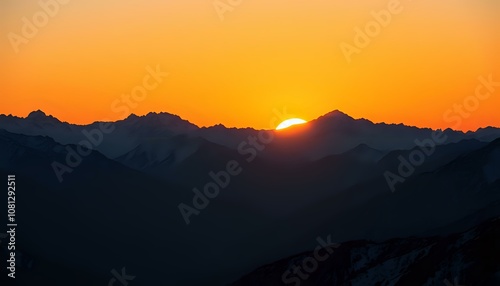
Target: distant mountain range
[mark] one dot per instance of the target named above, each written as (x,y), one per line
(119,205)
(333,133)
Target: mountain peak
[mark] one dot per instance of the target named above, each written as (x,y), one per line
(163,115)
(153,116)
(132,116)
(337,113)
(173,121)
(37,114)
(40,116)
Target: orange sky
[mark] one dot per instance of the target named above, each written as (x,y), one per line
(263,55)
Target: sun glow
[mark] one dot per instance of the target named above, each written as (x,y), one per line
(290,122)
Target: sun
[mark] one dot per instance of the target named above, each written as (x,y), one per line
(290,122)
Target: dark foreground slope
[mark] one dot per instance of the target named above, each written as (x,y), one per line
(467,258)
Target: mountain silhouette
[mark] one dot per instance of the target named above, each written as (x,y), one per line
(119,203)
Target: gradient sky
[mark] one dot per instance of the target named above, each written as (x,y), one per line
(264,55)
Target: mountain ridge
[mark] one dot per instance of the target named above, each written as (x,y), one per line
(335,114)
(276,204)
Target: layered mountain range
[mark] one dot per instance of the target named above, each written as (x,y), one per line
(117,203)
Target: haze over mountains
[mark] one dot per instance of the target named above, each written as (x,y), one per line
(333,133)
(120,204)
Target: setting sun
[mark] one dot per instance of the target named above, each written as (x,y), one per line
(290,122)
